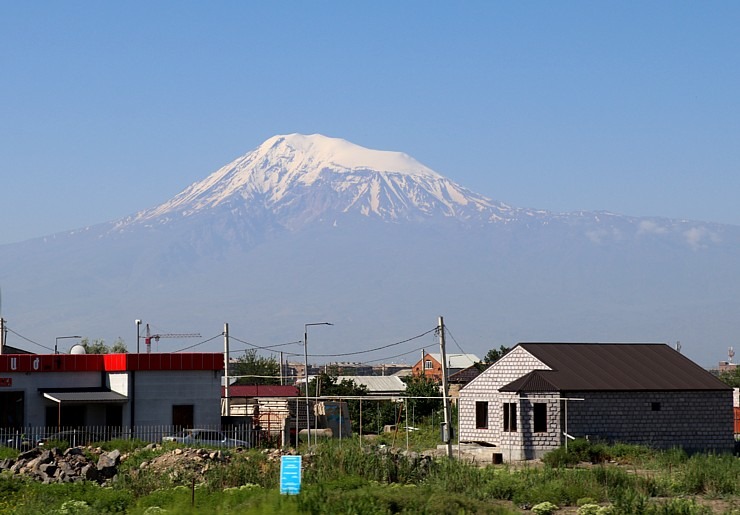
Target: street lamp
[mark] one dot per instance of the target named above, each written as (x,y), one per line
(305,357)
(56,341)
(138,325)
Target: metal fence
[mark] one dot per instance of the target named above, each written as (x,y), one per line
(243,435)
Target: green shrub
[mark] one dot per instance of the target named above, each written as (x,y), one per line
(544,508)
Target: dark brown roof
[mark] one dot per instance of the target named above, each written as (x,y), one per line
(613,366)
(465,375)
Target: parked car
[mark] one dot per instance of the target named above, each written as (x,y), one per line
(21,441)
(73,437)
(204,437)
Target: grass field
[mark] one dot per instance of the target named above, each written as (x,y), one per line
(379,478)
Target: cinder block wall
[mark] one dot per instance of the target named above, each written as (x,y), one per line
(694,420)
(485,387)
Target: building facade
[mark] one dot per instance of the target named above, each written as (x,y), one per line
(111,390)
(540,394)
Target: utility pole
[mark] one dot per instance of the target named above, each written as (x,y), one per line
(226,370)
(2,335)
(281,368)
(447,433)
(423,364)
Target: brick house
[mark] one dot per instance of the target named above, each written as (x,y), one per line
(525,403)
(431,365)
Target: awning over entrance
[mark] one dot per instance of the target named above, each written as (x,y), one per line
(84,396)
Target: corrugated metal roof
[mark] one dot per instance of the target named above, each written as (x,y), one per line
(532,382)
(456,360)
(377,384)
(615,366)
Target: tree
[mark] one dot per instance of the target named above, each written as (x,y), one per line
(97,346)
(494,355)
(491,357)
(423,386)
(255,369)
(119,347)
(731,377)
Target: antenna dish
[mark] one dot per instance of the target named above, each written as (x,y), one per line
(77,349)
(731,353)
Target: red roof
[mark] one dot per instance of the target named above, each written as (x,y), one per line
(261,390)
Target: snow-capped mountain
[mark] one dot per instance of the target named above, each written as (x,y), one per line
(311,228)
(301,178)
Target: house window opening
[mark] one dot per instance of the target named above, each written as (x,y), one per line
(510,416)
(481,415)
(540,417)
(428,365)
(655,406)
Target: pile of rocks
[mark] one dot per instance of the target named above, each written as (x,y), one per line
(55,466)
(183,463)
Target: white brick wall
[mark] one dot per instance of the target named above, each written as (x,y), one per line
(485,387)
(695,420)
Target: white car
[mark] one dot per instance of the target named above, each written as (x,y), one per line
(204,437)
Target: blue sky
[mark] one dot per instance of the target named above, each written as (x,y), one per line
(112,107)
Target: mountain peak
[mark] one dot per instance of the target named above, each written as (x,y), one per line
(298,178)
(318,151)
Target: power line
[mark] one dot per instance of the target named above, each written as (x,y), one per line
(200,343)
(392,357)
(267,347)
(453,339)
(28,339)
(375,349)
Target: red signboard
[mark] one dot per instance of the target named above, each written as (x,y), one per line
(109,362)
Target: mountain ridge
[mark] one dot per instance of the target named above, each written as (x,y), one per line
(271,260)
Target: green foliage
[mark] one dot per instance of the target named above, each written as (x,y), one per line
(255,369)
(544,508)
(119,347)
(342,477)
(372,498)
(579,450)
(98,346)
(731,377)
(493,355)
(7,452)
(423,386)
(124,445)
(251,467)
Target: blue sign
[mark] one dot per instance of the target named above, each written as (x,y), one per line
(290,475)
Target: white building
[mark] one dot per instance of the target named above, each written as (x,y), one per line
(110,390)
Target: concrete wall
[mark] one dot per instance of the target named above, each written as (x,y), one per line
(158,391)
(34,403)
(485,387)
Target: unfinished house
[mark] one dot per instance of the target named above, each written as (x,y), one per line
(540,394)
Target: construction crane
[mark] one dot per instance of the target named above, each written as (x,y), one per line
(149,337)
